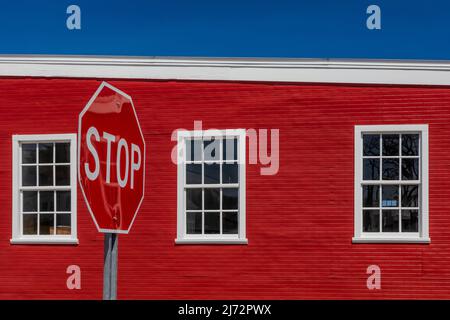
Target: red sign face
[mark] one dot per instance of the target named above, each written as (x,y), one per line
(111,158)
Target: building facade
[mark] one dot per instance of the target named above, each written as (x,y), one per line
(316,171)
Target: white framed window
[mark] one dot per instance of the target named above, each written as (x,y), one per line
(391,183)
(211,187)
(44,189)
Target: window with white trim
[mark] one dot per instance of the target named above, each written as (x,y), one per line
(211,186)
(391,183)
(44,188)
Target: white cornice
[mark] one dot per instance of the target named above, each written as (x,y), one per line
(408,72)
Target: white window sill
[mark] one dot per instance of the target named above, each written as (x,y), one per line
(44,241)
(390,240)
(211,241)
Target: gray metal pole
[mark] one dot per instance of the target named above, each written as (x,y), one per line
(114,254)
(110,266)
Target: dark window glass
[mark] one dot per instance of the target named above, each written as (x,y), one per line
(29,153)
(390,196)
(230,198)
(212,222)
(193,199)
(371,196)
(212,173)
(390,144)
(29,224)
(390,221)
(371,169)
(410,196)
(46,201)
(410,144)
(45,175)
(371,145)
(229,149)
(212,198)
(229,223)
(63,224)
(193,173)
(62,200)
(211,149)
(29,201)
(193,150)
(45,152)
(410,221)
(371,220)
(62,175)
(62,152)
(230,173)
(390,169)
(46,223)
(410,169)
(28,176)
(194,223)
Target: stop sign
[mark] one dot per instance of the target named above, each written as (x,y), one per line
(111,159)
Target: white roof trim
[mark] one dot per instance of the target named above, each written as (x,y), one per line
(409,72)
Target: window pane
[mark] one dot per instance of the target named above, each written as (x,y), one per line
(410,169)
(29,223)
(62,152)
(371,170)
(229,223)
(410,196)
(46,201)
(410,144)
(212,222)
(230,173)
(194,199)
(390,169)
(371,144)
(212,198)
(28,176)
(211,149)
(212,173)
(63,224)
(45,175)
(390,196)
(29,153)
(45,152)
(229,149)
(390,144)
(371,196)
(62,175)
(29,201)
(390,221)
(194,223)
(193,150)
(410,221)
(46,223)
(193,173)
(62,200)
(230,198)
(371,220)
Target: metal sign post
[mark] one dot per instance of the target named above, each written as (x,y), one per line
(110,266)
(108,127)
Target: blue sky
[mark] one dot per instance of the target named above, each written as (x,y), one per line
(245,28)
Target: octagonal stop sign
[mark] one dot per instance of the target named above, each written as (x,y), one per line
(111,159)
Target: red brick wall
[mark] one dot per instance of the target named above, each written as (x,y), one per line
(299,222)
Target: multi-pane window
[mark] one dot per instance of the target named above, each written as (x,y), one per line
(390,182)
(212,187)
(45,192)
